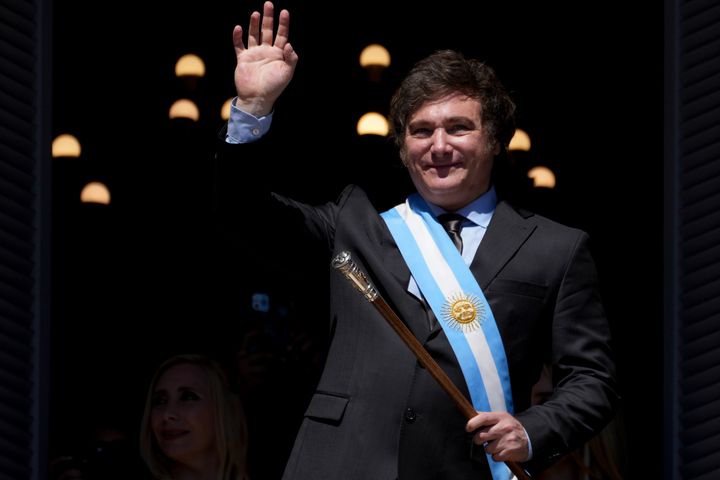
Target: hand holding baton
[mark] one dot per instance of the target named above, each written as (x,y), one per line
(344,262)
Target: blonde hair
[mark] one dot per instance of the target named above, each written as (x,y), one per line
(230,422)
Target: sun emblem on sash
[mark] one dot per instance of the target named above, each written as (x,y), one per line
(463,312)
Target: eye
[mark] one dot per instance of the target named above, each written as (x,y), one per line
(158,400)
(420,132)
(189,396)
(458,129)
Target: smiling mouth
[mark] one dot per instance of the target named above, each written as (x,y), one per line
(443,168)
(173,434)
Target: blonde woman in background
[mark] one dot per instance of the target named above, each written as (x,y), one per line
(193,425)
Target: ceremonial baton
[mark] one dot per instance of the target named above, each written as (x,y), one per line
(343,261)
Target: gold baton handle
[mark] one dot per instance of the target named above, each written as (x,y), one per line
(343,261)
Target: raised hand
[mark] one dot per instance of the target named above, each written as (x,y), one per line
(265,65)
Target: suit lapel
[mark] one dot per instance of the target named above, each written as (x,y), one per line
(506,233)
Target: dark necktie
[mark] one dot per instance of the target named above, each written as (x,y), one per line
(451,223)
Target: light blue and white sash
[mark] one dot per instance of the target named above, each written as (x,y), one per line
(459,304)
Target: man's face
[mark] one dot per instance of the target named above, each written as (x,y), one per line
(447,152)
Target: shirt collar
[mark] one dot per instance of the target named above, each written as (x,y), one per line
(479,211)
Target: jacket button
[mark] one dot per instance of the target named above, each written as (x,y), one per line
(410,415)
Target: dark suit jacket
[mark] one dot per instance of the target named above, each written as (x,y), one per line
(377,414)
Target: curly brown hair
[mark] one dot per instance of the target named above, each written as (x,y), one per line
(445,72)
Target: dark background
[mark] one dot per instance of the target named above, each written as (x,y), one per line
(151,274)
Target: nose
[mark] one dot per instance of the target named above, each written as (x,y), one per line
(168,413)
(440,144)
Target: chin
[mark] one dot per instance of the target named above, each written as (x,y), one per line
(452,179)
(443,189)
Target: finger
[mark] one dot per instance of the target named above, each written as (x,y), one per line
(476,422)
(472,424)
(483,437)
(238,39)
(289,55)
(283,29)
(254,30)
(267,24)
(500,455)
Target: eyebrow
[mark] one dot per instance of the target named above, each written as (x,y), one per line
(457,118)
(181,388)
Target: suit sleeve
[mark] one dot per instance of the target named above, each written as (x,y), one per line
(253,185)
(585,394)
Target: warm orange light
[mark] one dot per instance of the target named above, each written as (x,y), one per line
(184,108)
(190,65)
(95,192)
(65,145)
(542,177)
(520,141)
(225,110)
(373,123)
(375,55)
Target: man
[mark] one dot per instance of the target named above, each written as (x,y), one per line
(491,314)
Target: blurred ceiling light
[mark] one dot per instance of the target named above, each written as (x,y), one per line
(184,108)
(375,55)
(374,59)
(225,110)
(520,141)
(373,123)
(190,66)
(542,177)
(95,192)
(65,145)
